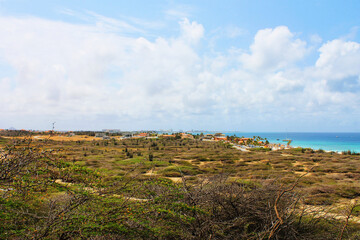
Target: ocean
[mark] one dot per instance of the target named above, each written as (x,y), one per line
(327,141)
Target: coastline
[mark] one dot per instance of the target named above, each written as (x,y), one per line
(332,142)
(328,148)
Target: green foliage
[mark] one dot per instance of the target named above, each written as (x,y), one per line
(51,191)
(179,171)
(260,149)
(356,211)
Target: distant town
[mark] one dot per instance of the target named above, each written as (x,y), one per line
(241,143)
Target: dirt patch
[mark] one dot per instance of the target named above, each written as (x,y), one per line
(66,138)
(151,172)
(201,164)
(323,212)
(175,179)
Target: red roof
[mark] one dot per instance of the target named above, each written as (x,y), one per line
(220,138)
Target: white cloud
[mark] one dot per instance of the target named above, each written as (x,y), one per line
(113,25)
(90,74)
(63,68)
(339,59)
(286,84)
(315,39)
(179,11)
(234,31)
(338,69)
(192,32)
(274,49)
(106,23)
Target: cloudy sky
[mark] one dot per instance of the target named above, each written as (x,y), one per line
(251,65)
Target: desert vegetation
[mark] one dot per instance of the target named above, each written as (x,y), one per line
(173,188)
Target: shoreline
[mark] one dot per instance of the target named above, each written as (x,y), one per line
(334,141)
(329,151)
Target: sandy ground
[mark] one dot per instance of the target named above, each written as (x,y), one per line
(62,138)
(321,212)
(175,179)
(151,172)
(241,149)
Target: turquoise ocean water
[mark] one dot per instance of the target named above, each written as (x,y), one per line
(337,142)
(326,141)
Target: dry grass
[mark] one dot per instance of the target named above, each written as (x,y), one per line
(334,178)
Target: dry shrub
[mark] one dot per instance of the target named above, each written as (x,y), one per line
(239,210)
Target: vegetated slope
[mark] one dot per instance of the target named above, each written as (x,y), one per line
(125,190)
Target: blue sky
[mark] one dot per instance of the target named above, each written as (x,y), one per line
(215,65)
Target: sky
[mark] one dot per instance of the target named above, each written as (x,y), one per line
(235,65)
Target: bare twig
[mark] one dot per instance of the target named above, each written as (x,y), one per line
(280,220)
(349,213)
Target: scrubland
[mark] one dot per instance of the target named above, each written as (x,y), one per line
(170,188)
